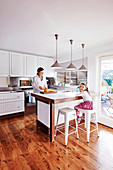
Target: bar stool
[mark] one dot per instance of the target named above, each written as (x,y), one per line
(88,114)
(67,111)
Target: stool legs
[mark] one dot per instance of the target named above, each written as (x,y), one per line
(96,123)
(76,127)
(57,123)
(66,118)
(85,122)
(66,128)
(88,125)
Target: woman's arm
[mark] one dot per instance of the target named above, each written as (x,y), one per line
(35,84)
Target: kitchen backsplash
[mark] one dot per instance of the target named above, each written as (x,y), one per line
(3,81)
(11,81)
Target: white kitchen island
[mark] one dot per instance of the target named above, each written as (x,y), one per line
(48,105)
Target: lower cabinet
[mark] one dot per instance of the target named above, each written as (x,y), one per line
(11,103)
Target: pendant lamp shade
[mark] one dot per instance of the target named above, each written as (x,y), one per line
(56,65)
(71,66)
(83,68)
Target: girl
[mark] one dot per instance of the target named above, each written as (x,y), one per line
(87,104)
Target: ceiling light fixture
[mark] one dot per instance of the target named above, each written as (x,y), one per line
(83,68)
(56,65)
(71,66)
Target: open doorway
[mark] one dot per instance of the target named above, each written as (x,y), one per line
(106,90)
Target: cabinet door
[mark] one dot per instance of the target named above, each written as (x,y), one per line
(4,63)
(16,64)
(46,64)
(31,65)
(42,62)
(51,71)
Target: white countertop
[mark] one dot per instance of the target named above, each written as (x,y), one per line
(62,95)
(58,95)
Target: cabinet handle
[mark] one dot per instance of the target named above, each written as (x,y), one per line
(18,96)
(18,106)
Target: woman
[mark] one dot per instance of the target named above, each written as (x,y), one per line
(38,81)
(87,104)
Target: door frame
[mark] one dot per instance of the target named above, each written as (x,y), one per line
(102,119)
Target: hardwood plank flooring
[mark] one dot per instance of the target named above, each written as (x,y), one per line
(23,146)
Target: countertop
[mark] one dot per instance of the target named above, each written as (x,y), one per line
(57,97)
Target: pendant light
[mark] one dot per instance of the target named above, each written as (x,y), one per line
(71,66)
(83,68)
(56,65)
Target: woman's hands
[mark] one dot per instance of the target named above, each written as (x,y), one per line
(40,87)
(45,89)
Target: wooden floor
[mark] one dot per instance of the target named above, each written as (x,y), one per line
(24,147)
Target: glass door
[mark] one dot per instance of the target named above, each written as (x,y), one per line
(106,91)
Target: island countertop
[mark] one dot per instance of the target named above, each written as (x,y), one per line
(57,97)
(52,100)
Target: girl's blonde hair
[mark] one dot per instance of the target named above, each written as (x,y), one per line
(86,88)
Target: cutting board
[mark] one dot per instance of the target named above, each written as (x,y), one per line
(49,92)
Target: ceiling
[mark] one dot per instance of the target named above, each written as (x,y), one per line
(29,25)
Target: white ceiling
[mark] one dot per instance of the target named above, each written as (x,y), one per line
(30,25)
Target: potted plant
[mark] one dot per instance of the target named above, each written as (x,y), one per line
(30,82)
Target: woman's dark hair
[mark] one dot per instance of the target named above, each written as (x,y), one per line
(40,69)
(86,88)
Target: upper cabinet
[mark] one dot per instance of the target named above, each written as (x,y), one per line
(31,65)
(17,61)
(4,63)
(46,64)
(23,65)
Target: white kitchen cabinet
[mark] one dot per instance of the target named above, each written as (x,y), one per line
(4,63)
(31,65)
(17,64)
(11,103)
(51,72)
(46,64)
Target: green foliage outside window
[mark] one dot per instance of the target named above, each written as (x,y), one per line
(109,81)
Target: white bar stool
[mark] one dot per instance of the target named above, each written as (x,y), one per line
(88,114)
(67,111)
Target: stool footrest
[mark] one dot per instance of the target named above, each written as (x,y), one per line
(86,130)
(68,133)
(64,126)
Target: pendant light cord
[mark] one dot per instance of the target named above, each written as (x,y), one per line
(56,48)
(83,54)
(71,41)
(71,53)
(56,36)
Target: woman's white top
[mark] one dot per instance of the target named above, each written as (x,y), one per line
(85,95)
(38,82)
